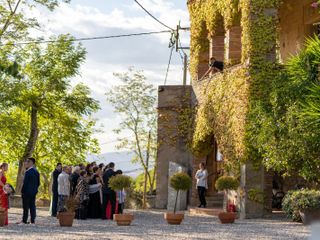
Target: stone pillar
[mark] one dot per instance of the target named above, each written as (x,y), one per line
(171,146)
(182,196)
(260,179)
(233,46)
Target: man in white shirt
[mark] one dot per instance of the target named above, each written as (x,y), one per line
(63,188)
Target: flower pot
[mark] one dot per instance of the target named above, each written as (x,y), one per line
(66,218)
(123,219)
(227,217)
(309,216)
(174,218)
(3,215)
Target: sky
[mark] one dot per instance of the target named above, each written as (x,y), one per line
(83,18)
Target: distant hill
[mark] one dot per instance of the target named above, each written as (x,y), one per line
(122,161)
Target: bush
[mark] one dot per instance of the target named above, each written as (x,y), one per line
(119,182)
(180,181)
(227,183)
(297,200)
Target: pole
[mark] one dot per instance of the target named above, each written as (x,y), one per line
(185,69)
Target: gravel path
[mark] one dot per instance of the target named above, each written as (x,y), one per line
(151,225)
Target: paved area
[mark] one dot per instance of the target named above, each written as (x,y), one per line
(151,225)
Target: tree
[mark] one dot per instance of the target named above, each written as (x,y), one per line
(58,115)
(135,101)
(14,26)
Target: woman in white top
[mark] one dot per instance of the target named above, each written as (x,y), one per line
(202,184)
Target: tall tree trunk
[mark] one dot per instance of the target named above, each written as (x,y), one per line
(29,149)
(153,178)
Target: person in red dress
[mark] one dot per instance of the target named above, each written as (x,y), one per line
(3,195)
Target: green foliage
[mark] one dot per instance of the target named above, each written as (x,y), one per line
(257,195)
(120,182)
(225,183)
(135,101)
(139,182)
(222,116)
(180,182)
(300,200)
(64,113)
(284,130)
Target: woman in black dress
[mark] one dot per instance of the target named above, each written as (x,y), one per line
(94,209)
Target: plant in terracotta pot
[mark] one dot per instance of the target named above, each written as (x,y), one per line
(302,205)
(3,215)
(226,183)
(120,183)
(179,182)
(66,217)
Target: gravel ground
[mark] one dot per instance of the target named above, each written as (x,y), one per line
(151,225)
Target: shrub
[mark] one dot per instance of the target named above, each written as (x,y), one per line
(227,183)
(180,182)
(257,195)
(71,204)
(119,182)
(295,201)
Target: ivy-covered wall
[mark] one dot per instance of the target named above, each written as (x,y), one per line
(233,100)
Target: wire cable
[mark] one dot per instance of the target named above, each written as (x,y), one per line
(90,38)
(154,16)
(165,80)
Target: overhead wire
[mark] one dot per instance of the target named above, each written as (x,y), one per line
(153,16)
(90,38)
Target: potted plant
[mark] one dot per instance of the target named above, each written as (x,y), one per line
(66,217)
(303,205)
(119,183)
(179,182)
(226,183)
(2,216)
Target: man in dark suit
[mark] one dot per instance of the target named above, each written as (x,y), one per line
(108,194)
(29,190)
(55,175)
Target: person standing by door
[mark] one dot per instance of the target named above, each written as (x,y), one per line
(31,183)
(202,184)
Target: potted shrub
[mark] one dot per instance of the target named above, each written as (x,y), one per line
(226,183)
(303,205)
(2,216)
(119,183)
(179,182)
(66,218)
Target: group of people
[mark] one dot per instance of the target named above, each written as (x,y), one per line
(89,186)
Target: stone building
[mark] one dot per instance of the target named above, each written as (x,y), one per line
(252,38)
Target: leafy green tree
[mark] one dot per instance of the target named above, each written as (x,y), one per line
(135,100)
(287,133)
(14,26)
(60,126)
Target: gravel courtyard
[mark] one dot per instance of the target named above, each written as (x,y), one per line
(151,225)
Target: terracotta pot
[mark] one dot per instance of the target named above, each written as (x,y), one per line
(123,219)
(227,217)
(66,218)
(3,214)
(174,218)
(309,216)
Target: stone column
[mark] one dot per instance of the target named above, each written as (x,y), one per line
(171,146)
(233,45)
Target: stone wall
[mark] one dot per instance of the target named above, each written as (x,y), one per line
(172,146)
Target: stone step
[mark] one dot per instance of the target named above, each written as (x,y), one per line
(205,211)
